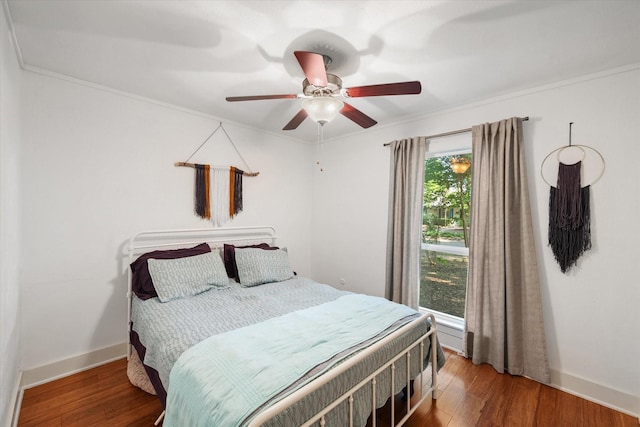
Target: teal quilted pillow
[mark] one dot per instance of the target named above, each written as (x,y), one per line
(184,277)
(257,266)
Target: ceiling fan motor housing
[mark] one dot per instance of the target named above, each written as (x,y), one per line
(333,87)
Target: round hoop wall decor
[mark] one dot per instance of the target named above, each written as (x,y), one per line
(593,164)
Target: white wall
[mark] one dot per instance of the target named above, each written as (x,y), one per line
(9,221)
(591,314)
(98,167)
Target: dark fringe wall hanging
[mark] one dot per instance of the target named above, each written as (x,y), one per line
(235,191)
(569,233)
(569,217)
(203,205)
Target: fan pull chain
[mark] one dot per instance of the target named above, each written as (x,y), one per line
(319,145)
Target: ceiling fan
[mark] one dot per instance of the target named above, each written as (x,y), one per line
(321,91)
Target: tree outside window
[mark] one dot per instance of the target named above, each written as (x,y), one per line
(445,236)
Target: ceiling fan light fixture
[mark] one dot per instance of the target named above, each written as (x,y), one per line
(322,109)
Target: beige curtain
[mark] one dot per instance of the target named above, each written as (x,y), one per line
(504,325)
(405,220)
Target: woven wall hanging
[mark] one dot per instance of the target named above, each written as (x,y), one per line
(218,189)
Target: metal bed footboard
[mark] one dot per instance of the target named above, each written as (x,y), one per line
(319,418)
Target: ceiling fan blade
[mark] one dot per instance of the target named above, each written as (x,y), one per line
(313,66)
(357,116)
(297,119)
(402,88)
(259,97)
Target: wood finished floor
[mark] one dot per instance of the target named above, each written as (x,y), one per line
(470,396)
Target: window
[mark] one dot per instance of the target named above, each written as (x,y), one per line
(445,236)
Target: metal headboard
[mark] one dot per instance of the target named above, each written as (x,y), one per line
(150,240)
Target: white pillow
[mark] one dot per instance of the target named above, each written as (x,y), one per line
(258,266)
(187,276)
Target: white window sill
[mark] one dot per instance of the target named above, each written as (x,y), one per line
(450,330)
(453,322)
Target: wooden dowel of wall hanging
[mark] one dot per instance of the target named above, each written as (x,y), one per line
(189,165)
(193,165)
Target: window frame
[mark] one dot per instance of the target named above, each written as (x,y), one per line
(455,323)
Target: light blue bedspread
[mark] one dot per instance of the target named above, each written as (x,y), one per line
(223,379)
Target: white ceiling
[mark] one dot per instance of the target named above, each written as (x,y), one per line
(193,54)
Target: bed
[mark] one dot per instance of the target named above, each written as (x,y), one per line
(229,335)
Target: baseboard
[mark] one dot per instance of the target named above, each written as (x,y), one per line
(597,393)
(66,367)
(11,418)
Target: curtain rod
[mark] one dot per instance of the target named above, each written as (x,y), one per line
(453,132)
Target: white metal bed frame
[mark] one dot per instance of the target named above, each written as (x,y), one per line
(166,239)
